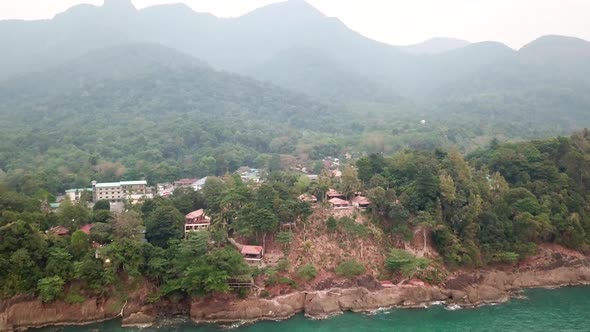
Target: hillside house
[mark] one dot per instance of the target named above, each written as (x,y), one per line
(338,203)
(86,228)
(184,182)
(361,202)
(196,221)
(59,231)
(334,194)
(252,253)
(308,198)
(199,184)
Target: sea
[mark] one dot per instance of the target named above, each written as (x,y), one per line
(564,309)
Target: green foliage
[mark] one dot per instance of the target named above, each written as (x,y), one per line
(331,224)
(101,205)
(350,268)
(74,296)
(163,224)
(307,272)
(505,257)
(285,238)
(405,263)
(50,288)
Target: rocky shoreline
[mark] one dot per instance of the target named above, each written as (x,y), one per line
(463,289)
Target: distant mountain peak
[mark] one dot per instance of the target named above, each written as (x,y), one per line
(294,9)
(119,5)
(435,45)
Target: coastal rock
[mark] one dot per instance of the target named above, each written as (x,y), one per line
(138,319)
(281,307)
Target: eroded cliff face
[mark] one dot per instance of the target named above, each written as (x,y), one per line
(465,289)
(469,289)
(20,313)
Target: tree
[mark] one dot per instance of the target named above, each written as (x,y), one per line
(350,183)
(101,233)
(79,244)
(201,278)
(163,224)
(128,225)
(59,264)
(50,288)
(102,205)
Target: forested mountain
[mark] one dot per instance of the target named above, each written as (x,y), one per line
(149,108)
(141,78)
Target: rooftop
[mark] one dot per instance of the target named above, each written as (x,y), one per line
(86,228)
(196,214)
(78,190)
(338,201)
(252,250)
(122,183)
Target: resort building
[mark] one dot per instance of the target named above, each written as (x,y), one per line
(133,191)
(196,221)
(75,194)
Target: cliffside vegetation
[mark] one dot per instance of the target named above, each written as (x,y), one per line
(495,206)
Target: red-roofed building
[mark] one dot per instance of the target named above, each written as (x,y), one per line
(196,221)
(184,182)
(252,253)
(59,230)
(86,228)
(338,203)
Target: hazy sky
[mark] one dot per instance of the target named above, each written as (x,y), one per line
(514,22)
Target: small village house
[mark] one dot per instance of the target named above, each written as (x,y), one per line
(361,202)
(252,253)
(59,231)
(338,203)
(184,182)
(308,198)
(196,221)
(334,194)
(86,228)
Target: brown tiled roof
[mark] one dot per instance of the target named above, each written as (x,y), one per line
(59,230)
(196,214)
(252,250)
(338,201)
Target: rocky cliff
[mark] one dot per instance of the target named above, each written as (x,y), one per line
(463,288)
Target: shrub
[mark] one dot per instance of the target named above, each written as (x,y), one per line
(307,272)
(505,257)
(264,293)
(50,288)
(350,268)
(74,296)
(406,263)
(283,265)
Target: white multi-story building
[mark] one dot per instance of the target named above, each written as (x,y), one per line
(75,194)
(131,191)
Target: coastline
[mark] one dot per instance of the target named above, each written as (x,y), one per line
(466,289)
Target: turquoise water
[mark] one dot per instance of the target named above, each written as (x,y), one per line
(565,309)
